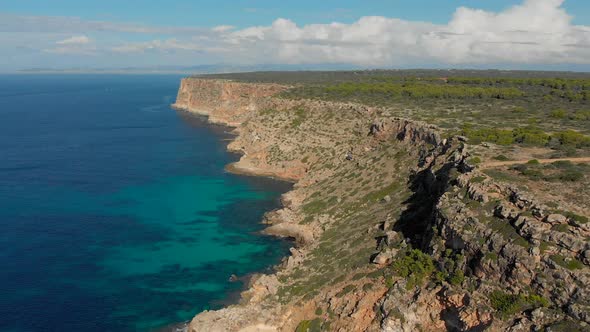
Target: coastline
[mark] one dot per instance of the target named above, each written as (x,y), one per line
(235,168)
(233,104)
(372,189)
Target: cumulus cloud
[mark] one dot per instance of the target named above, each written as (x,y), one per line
(536,31)
(75,40)
(157,45)
(77,45)
(223,28)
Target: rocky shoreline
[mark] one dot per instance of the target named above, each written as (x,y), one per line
(368,188)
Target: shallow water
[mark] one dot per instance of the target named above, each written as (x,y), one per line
(115,211)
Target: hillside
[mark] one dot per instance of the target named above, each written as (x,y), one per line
(401,218)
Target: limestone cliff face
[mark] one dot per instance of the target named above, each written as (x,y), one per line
(368,186)
(223,101)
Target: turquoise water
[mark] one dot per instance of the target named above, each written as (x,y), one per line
(115,211)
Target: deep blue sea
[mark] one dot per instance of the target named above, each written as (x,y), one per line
(115,211)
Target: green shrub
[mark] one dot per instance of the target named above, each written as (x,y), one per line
(309,326)
(492,256)
(389,281)
(578,218)
(475,160)
(346,290)
(537,301)
(573,138)
(533,174)
(571,176)
(509,304)
(501,157)
(530,135)
(563,164)
(563,228)
(544,246)
(571,264)
(414,266)
(504,303)
(558,114)
(533,162)
(299,118)
(519,109)
(457,278)
(580,116)
(477,179)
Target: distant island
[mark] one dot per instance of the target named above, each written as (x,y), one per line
(424,200)
(184,70)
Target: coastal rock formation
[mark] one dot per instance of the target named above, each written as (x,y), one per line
(224,102)
(395,229)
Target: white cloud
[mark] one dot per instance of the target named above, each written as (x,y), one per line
(75,45)
(537,31)
(165,46)
(72,50)
(223,28)
(75,40)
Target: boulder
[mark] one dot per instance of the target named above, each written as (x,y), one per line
(556,218)
(386,199)
(579,312)
(477,193)
(504,211)
(520,221)
(392,237)
(385,257)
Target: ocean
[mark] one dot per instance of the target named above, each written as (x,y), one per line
(115,211)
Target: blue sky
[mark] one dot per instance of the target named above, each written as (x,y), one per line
(372,33)
(242,13)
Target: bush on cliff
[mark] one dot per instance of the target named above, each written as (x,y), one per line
(414,266)
(509,304)
(309,326)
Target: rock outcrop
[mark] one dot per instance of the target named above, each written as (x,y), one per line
(223,102)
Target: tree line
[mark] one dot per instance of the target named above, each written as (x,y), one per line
(529,135)
(421,90)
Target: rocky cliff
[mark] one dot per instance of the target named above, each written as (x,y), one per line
(395,230)
(223,101)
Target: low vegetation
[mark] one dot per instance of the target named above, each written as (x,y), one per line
(310,326)
(509,304)
(529,135)
(414,266)
(416,90)
(559,171)
(507,108)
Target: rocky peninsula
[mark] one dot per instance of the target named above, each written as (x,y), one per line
(396,226)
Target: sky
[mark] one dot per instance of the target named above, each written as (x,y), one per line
(512,34)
